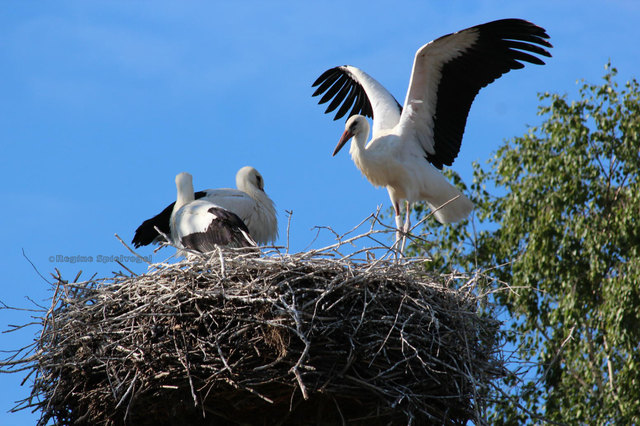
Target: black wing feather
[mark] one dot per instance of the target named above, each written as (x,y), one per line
(348,103)
(340,96)
(345,94)
(338,83)
(326,80)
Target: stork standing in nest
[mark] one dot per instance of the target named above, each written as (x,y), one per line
(411,143)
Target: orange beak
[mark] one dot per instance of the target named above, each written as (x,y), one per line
(343,139)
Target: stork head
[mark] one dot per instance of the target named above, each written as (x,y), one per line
(355,125)
(248,176)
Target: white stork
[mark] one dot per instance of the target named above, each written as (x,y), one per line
(249,202)
(410,143)
(201,225)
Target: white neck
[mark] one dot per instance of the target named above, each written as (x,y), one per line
(184,184)
(359,141)
(266,214)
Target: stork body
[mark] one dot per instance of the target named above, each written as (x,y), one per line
(249,202)
(411,142)
(201,225)
(387,162)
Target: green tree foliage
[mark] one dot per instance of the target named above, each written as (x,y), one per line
(564,235)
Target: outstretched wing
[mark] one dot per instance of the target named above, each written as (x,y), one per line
(351,88)
(450,71)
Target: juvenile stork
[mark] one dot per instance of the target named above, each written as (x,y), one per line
(249,202)
(411,142)
(201,225)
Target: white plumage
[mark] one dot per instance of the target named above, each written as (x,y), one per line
(201,225)
(249,201)
(409,144)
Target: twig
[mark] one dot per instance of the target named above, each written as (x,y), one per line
(131,250)
(289,216)
(34,267)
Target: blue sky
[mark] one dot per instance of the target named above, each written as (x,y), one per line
(102,103)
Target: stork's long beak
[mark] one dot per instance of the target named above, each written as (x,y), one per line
(344,139)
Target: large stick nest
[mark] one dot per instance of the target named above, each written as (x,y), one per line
(282,339)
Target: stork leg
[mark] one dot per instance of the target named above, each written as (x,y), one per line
(398,218)
(407,225)
(399,228)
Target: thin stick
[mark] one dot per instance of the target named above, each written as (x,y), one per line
(289,216)
(131,250)
(34,267)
